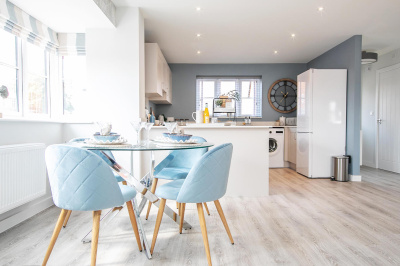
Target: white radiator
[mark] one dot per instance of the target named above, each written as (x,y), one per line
(22,174)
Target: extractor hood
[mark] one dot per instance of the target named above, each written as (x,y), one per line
(368,57)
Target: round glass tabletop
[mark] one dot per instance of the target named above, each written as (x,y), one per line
(152,146)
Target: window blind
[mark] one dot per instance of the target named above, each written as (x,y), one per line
(16,21)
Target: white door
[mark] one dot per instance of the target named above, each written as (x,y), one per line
(388,115)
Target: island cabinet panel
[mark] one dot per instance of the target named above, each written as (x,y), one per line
(249,171)
(158,75)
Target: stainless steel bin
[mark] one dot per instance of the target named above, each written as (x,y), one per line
(340,168)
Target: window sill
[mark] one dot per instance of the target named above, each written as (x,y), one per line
(43,120)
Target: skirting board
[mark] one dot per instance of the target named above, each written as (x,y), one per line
(355,178)
(26,214)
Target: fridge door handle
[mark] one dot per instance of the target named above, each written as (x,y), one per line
(379,121)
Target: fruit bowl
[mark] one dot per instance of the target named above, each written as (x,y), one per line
(110,137)
(177,137)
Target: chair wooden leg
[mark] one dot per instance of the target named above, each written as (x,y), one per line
(204,231)
(221,214)
(153,189)
(134,223)
(181,215)
(67,218)
(54,237)
(95,236)
(124,183)
(206,207)
(177,205)
(158,223)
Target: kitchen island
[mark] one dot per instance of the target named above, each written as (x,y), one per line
(249,172)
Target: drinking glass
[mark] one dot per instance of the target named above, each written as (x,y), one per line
(138,125)
(170,127)
(148,127)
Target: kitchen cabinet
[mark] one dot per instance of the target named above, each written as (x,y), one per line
(158,76)
(290,144)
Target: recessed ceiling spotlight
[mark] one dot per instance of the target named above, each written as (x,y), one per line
(320,9)
(199,52)
(198,8)
(275,52)
(293,36)
(198,34)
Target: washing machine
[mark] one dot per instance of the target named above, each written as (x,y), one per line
(276,147)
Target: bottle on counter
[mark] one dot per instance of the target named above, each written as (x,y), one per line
(152,117)
(206,115)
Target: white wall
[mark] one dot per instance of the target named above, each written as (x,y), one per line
(115,71)
(16,132)
(368,85)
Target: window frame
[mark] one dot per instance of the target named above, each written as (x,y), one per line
(19,79)
(238,87)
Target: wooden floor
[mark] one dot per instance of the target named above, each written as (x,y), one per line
(302,222)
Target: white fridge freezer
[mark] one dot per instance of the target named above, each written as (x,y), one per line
(321,120)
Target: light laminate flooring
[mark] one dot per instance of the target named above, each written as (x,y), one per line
(302,222)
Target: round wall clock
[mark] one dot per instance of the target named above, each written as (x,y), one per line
(282,95)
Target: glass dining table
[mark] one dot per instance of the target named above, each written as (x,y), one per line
(144,184)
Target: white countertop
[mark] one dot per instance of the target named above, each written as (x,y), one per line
(222,127)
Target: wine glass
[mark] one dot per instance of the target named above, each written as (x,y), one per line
(148,127)
(170,127)
(138,125)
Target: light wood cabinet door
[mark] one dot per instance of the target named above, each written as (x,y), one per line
(158,76)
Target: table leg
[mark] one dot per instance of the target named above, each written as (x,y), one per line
(142,233)
(134,182)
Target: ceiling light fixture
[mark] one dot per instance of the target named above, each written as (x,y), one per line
(293,36)
(320,9)
(275,52)
(198,34)
(198,8)
(198,52)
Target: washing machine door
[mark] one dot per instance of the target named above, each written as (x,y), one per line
(273,146)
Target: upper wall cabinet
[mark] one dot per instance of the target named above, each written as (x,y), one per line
(158,76)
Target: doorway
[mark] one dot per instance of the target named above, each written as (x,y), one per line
(388,118)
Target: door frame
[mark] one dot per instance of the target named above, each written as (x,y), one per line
(378,72)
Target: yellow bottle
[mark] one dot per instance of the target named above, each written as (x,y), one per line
(206,115)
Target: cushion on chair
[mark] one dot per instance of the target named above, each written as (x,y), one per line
(170,190)
(173,173)
(127,192)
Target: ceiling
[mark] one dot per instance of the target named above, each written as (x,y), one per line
(234,31)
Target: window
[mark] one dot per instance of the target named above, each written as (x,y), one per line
(74,84)
(10,72)
(249,89)
(36,80)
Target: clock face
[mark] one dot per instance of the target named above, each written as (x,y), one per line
(282,95)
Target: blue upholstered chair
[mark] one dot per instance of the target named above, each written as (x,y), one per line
(81,181)
(206,181)
(101,155)
(177,166)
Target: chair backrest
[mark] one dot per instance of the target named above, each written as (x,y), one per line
(208,179)
(97,152)
(80,180)
(187,158)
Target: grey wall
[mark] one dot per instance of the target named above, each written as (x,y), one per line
(184,84)
(368,76)
(347,55)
